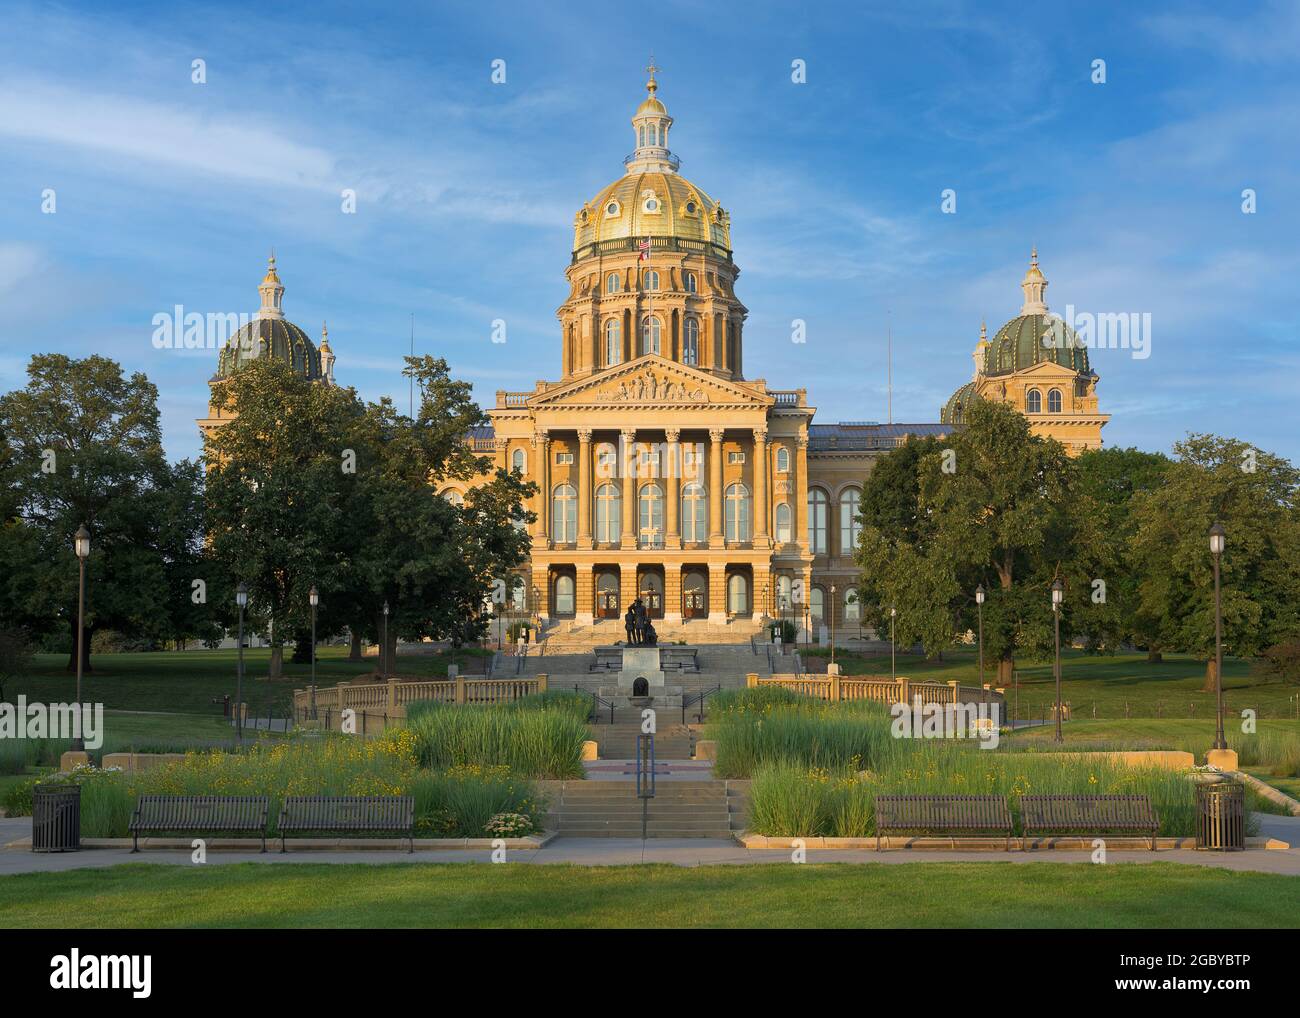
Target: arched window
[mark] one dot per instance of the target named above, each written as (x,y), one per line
(689,281)
(564,514)
(852,609)
(817,505)
(652,516)
(738,513)
(613,283)
(782,460)
(613,341)
(519,461)
(454,497)
(784,525)
(737,594)
(817,605)
(609,514)
(564,595)
(850,528)
(691,341)
(695,512)
(651,279)
(1034,402)
(650,335)
(641,136)
(1054,401)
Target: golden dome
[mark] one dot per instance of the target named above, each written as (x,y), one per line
(652,204)
(651,199)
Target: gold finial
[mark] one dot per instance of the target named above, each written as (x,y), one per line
(1033,256)
(652,86)
(324,334)
(984,332)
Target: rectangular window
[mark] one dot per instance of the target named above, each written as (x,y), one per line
(564,459)
(735,457)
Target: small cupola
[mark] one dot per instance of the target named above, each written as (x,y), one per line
(272,291)
(650,124)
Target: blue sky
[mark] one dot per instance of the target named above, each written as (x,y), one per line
(172,193)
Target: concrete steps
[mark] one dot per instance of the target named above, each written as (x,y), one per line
(610,809)
(619,740)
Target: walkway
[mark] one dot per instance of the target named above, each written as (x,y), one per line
(675,852)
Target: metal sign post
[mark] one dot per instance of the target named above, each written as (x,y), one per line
(645,776)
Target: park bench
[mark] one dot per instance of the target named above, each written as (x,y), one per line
(1089,814)
(942,814)
(195,814)
(367,813)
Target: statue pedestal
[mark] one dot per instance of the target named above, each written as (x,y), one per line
(641,662)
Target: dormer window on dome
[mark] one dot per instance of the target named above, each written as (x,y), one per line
(612,210)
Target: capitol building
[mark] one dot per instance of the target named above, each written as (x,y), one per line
(664,468)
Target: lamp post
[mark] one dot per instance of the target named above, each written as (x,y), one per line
(81,545)
(1218,538)
(383,644)
(979,608)
(893,613)
(1058,596)
(832,623)
(241,599)
(314,598)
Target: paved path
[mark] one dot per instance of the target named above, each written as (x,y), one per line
(677,852)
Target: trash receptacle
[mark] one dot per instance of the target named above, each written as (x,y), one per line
(56,818)
(1221,816)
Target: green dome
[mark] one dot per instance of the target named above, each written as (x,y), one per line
(274,339)
(1019,344)
(954,411)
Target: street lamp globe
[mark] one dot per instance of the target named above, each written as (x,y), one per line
(385,608)
(81,542)
(241,595)
(1218,538)
(1058,592)
(313,597)
(979,594)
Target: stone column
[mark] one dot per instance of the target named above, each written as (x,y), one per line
(801,492)
(715,487)
(584,487)
(672,595)
(761,507)
(541,443)
(502,447)
(584,593)
(717,593)
(628,465)
(673,472)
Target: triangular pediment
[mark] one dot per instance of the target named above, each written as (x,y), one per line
(652,381)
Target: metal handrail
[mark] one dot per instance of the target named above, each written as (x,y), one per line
(597,703)
(700,697)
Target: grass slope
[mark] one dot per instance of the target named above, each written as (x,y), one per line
(992,895)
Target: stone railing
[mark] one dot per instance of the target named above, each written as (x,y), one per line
(391,697)
(879,688)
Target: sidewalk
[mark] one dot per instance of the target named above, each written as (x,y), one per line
(630,852)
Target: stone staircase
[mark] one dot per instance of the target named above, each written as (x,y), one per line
(680,809)
(673,741)
(604,632)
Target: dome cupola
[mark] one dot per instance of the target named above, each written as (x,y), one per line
(650,124)
(1035,336)
(271,336)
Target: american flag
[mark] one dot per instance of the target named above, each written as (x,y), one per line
(645,250)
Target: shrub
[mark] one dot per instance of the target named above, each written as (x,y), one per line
(462,802)
(772,724)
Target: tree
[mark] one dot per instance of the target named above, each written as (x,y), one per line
(1112,478)
(994,505)
(1253,494)
(84,446)
(15,656)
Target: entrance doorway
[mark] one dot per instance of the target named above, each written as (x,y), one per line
(607,596)
(650,585)
(695,595)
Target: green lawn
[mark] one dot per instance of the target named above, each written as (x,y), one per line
(1139,733)
(188,681)
(994,895)
(1114,685)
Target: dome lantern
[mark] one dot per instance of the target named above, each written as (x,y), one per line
(650,126)
(1035,287)
(272,291)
